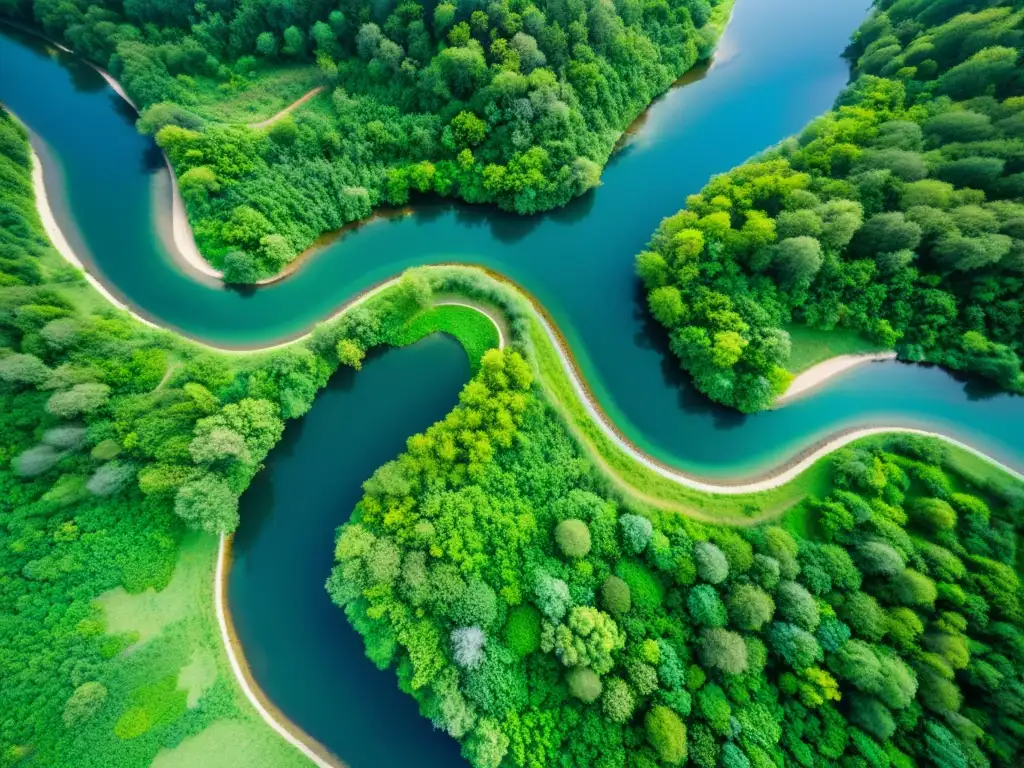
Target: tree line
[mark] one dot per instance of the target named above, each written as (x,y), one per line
(510,102)
(898,214)
(541,619)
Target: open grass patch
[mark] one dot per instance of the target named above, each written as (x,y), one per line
(470,327)
(199,676)
(147,613)
(255,96)
(812,345)
(231,744)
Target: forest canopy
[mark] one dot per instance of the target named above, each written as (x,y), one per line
(542,619)
(511,102)
(898,215)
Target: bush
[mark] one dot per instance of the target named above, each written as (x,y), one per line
(615,596)
(584,684)
(636,533)
(723,650)
(84,703)
(645,590)
(618,701)
(712,565)
(667,734)
(573,538)
(522,632)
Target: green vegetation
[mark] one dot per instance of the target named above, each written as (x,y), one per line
(546,598)
(474,330)
(119,439)
(810,346)
(258,96)
(896,217)
(511,102)
(542,617)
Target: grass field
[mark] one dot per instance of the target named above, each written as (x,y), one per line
(253,97)
(812,346)
(472,329)
(646,484)
(177,697)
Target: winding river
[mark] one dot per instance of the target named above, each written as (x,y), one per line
(777,67)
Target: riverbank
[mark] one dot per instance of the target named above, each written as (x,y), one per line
(818,375)
(770,480)
(270,714)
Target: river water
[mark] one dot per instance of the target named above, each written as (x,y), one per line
(777,67)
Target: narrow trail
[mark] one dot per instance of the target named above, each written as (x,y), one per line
(773,479)
(174,366)
(293,106)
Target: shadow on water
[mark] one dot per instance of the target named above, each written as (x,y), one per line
(259,500)
(152,158)
(653,336)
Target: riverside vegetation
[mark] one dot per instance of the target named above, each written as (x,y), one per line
(898,215)
(509,102)
(539,613)
(542,618)
(125,448)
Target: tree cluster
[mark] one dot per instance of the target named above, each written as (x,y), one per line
(512,102)
(899,215)
(541,620)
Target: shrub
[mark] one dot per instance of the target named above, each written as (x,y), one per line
(522,632)
(615,596)
(468,646)
(573,538)
(706,607)
(750,607)
(667,734)
(712,566)
(636,533)
(723,650)
(584,684)
(618,701)
(84,703)
(645,590)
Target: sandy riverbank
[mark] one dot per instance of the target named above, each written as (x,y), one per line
(817,375)
(270,714)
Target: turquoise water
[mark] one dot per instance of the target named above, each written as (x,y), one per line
(777,68)
(299,645)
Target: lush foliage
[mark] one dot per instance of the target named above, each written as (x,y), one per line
(536,619)
(117,440)
(511,102)
(897,215)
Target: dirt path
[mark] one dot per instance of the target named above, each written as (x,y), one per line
(167,376)
(294,105)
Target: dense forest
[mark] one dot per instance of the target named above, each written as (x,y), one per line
(542,620)
(510,102)
(898,215)
(118,440)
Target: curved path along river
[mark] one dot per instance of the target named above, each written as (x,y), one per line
(780,68)
(111,190)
